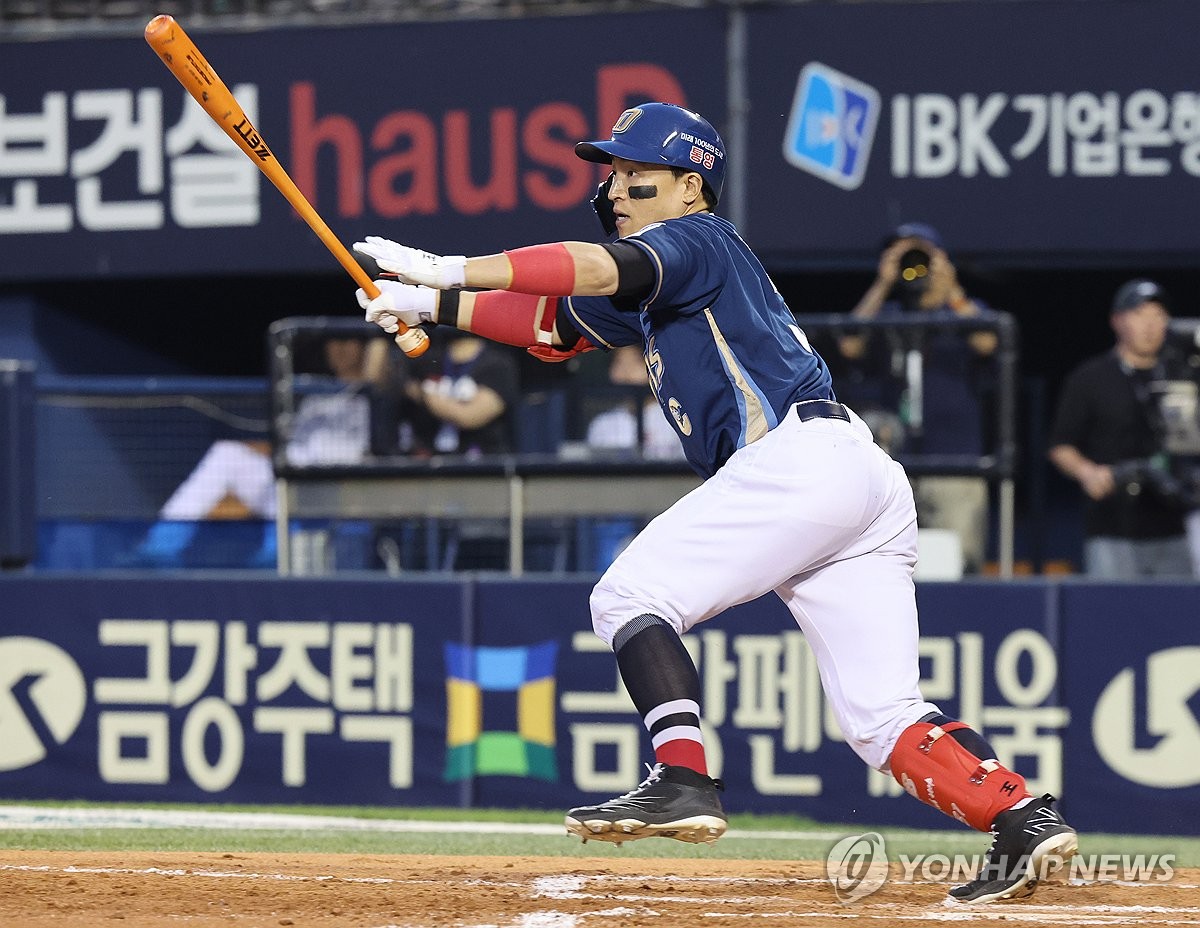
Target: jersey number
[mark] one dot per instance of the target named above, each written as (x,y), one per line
(654,366)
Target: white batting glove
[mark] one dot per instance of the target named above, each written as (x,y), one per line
(414,266)
(399,302)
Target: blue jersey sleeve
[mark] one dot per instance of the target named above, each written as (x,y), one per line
(604,321)
(687,279)
(683,280)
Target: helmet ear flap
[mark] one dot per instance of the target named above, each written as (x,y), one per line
(604,208)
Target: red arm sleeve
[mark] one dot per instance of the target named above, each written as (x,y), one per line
(520,319)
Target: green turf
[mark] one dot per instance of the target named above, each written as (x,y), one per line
(740,843)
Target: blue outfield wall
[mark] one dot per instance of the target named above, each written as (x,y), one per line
(495,693)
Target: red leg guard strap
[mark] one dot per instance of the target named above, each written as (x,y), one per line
(936,769)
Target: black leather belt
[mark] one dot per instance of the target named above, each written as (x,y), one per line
(821,409)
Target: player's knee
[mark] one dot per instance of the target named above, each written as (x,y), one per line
(605,607)
(612,607)
(873,737)
(871,746)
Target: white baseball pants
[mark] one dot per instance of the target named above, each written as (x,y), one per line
(817,512)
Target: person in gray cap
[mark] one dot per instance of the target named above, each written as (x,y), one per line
(1105,437)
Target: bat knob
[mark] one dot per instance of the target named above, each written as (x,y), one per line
(414,342)
(158,24)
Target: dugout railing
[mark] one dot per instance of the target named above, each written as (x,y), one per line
(552,489)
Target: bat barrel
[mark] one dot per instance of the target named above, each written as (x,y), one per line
(181,56)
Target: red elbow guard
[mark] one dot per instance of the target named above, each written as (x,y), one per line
(547,270)
(513,318)
(936,769)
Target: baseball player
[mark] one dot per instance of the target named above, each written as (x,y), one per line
(797,498)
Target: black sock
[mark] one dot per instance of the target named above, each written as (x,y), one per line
(665,687)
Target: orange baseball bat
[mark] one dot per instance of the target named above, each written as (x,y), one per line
(179,53)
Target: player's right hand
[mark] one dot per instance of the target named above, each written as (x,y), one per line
(399,302)
(414,266)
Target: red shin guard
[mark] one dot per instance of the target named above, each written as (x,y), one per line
(936,769)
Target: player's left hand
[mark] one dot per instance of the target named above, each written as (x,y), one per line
(414,266)
(399,302)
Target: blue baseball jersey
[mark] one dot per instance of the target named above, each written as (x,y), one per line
(725,357)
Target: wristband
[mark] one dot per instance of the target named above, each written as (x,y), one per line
(447,273)
(544,270)
(447,308)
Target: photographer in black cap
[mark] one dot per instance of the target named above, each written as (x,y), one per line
(1106,436)
(915,275)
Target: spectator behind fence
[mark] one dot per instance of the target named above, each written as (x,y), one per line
(618,427)
(236,479)
(621,427)
(457,398)
(916,275)
(1105,437)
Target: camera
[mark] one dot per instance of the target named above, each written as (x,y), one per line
(914,266)
(1172,472)
(1174,482)
(913,276)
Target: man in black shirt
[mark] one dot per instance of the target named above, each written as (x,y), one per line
(1104,438)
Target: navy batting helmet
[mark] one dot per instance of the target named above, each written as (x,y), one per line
(663,133)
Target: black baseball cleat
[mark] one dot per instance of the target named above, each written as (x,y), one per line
(672,802)
(1024,841)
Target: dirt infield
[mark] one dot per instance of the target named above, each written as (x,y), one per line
(64,889)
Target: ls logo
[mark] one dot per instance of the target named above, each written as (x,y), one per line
(832,125)
(1152,738)
(42,698)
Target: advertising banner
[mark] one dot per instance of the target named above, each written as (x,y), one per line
(1134,659)
(1029,132)
(249,691)
(1021,136)
(496,693)
(457,137)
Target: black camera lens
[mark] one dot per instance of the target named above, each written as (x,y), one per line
(914,265)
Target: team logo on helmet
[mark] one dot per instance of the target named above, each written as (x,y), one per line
(626,119)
